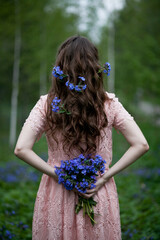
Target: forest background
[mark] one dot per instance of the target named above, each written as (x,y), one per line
(128,37)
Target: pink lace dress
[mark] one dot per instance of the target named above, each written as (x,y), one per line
(54,215)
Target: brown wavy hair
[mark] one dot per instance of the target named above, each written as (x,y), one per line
(80,130)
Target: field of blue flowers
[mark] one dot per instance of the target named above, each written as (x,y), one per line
(138,189)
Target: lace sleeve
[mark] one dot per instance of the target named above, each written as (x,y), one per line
(120,115)
(37,117)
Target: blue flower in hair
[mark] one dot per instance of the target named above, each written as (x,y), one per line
(77,88)
(55,104)
(58,73)
(82,78)
(107,68)
(84,87)
(71,86)
(57,107)
(67,83)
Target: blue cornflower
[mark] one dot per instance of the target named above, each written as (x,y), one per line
(58,107)
(92,186)
(98,157)
(68,185)
(55,109)
(60,179)
(58,73)
(82,78)
(81,156)
(77,88)
(80,166)
(84,172)
(85,183)
(67,83)
(80,190)
(107,68)
(71,86)
(62,164)
(93,177)
(56,100)
(107,65)
(102,169)
(25,226)
(7,232)
(73,176)
(84,87)
(55,104)
(57,171)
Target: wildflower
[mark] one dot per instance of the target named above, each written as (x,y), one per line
(107,68)
(25,226)
(73,176)
(84,87)
(71,86)
(57,107)
(67,83)
(68,185)
(92,186)
(82,78)
(77,88)
(58,73)
(80,173)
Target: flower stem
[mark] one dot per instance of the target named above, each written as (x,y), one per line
(88,212)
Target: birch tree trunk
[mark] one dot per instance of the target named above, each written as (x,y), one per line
(15,80)
(111,57)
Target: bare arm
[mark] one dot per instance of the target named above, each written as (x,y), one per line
(23,150)
(138,146)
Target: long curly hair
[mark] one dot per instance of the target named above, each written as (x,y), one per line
(80,130)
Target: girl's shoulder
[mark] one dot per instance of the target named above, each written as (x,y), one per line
(112,102)
(110,96)
(44,97)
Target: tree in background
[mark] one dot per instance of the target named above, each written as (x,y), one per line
(43,27)
(137,50)
(15,80)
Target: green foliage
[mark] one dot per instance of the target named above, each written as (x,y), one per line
(137,49)
(16,209)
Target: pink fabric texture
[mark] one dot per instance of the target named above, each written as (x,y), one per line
(54,215)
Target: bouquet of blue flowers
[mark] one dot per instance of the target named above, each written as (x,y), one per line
(80,173)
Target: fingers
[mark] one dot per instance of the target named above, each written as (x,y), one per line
(91,191)
(86,195)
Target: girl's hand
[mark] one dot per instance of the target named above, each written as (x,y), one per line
(91,192)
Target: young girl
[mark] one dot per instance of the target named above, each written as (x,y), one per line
(80,122)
